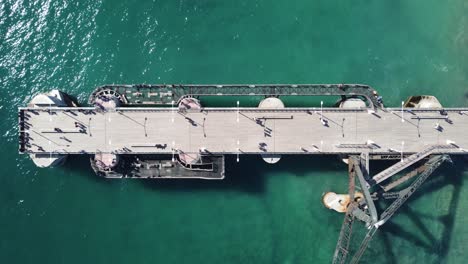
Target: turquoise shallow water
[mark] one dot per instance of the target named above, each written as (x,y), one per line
(260,213)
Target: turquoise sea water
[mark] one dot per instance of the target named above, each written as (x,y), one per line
(260,213)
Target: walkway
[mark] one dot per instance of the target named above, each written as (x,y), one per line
(243,130)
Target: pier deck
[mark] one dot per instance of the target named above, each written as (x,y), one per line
(242,130)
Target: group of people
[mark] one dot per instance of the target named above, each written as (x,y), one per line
(82,128)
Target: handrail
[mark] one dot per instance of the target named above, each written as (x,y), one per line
(174,93)
(392,170)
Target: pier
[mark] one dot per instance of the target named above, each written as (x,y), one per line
(164,131)
(244,130)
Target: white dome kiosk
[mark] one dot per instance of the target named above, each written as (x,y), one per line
(54,98)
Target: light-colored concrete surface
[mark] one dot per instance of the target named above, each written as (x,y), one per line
(294,131)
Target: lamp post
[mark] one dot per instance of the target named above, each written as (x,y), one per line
(172,116)
(237,111)
(402,119)
(321,110)
(402,149)
(50,112)
(173,151)
(238,150)
(237,117)
(50,154)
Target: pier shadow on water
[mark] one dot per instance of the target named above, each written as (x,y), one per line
(81,165)
(249,175)
(415,229)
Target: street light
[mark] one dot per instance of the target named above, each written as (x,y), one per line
(238,150)
(50,112)
(321,110)
(402,119)
(237,159)
(172,106)
(50,154)
(173,158)
(402,147)
(237,111)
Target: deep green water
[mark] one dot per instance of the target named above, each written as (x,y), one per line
(260,213)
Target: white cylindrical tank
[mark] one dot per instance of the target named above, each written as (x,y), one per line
(352,103)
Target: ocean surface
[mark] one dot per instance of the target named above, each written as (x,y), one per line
(260,213)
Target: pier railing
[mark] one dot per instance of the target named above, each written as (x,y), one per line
(146,94)
(405,163)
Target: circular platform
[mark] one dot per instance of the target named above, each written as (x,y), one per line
(106,160)
(271,102)
(339,202)
(189,158)
(352,103)
(428,101)
(52,98)
(189,104)
(107,103)
(48,160)
(271,158)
